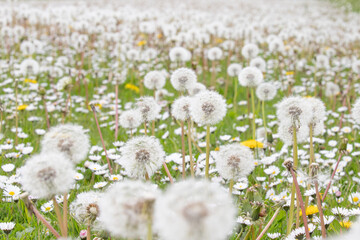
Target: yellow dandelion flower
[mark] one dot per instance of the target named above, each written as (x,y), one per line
(310,210)
(97,105)
(219,40)
(27,80)
(345,224)
(252,144)
(132,87)
(22,107)
(141,43)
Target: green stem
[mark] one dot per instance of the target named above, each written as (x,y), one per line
(292,204)
(312,158)
(149,229)
(264,119)
(231,185)
(253,111)
(183,149)
(235,95)
(190,149)
(207,151)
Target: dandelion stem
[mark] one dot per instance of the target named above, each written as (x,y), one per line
(213,74)
(168,173)
(190,149)
(332,177)
(58,215)
(16,113)
(38,215)
(235,95)
(292,203)
(153,128)
(68,104)
(311,160)
(248,233)
(183,148)
(149,229)
(269,224)
(321,214)
(46,112)
(231,185)
(65,210)
(88,231)
(253,112)
(207,151)
(147,177)
(299,197)
(145,129)
(264,118)
(102,140)
(116,110)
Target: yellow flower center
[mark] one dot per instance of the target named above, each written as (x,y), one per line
(12,193)
(47,208)
(115,178)
(355,199)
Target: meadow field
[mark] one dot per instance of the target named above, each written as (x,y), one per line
(174,120)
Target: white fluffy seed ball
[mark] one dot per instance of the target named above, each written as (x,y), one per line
(355,112)
(234,161)
(47,174)
(194,210)
(130,119)
(183,79)
(148,108)
(180,109)
(126,207)
(286,131)
(250,77)
(154,80)
(69,139)
(142,155)
(208,108)
(266,91)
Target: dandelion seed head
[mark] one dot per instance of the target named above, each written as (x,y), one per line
(179,54)
(266,91)
(250,51)
(318,112)
(214,53)
(234,161)
(208,108)
(295,109)
(130,119)
(47,174)
(259,63)
(194,203)
(148,108)
(183,79)
(154,80)
(180,109)
(141,155)
(85,207)
(126,207)
(355,111)
(331,89)
(250,77)
(196,88)
(68,139)
(234,69)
